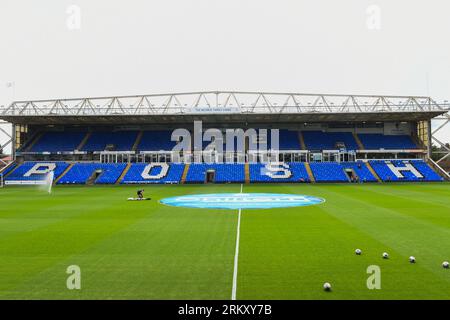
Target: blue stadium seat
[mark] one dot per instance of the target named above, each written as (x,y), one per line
(289,140)
(224,172)
(9,169)
(361,171)
(383,171)
(374,141)
(260,173)
(24,168)
(328,172)
(426,170)
(318,140)
(134,174)
(81,172)
(122,140)
(156,141)
(386,174)
(58,142)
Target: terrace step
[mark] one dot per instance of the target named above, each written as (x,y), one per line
(310,173)
(353,172)
(62,174)
(93,177)
(124,172)
(138,141)
(83,142)
(185,172)
(302,140)
(358,141)
(373,171)
(247,173)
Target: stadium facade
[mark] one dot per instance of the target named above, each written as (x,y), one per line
(129,139)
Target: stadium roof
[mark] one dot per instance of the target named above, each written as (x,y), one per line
(223,106)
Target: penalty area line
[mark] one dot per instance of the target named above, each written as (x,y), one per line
(236,254)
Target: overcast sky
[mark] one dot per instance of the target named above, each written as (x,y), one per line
(135,47)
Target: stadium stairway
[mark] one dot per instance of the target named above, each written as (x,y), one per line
(92,178)
(309,171)
(63,174)
(83,142)
(373,171)
(359,171)
(358,141)
(124,172)
(247,173)
(302,140)
(185,172)
(138,141)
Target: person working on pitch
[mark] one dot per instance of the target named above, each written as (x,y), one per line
(140,196)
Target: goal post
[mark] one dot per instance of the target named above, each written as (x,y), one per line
(1,180)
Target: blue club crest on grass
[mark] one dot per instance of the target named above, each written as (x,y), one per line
(242,201)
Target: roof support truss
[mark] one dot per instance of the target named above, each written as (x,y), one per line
(235,101)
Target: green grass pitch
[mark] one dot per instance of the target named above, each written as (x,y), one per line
(146,250)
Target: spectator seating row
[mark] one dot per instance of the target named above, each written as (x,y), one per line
(161,140)
(58,142)
(109,173)
(287,172)
(405,172)
(29,171)
(318,140)
(223,173)
(8,170)
(360,169)
(156,141)
(120,140)
(289,140)
(153,173)
(79,173)
(374,141)
(328,172)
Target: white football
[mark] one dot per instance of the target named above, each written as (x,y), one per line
(412,259)
(445,264)
(385,255)
(358,251)
(326,286)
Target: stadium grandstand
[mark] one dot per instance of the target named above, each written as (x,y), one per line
(129,139)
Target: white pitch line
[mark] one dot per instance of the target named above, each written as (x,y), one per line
(236,255)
